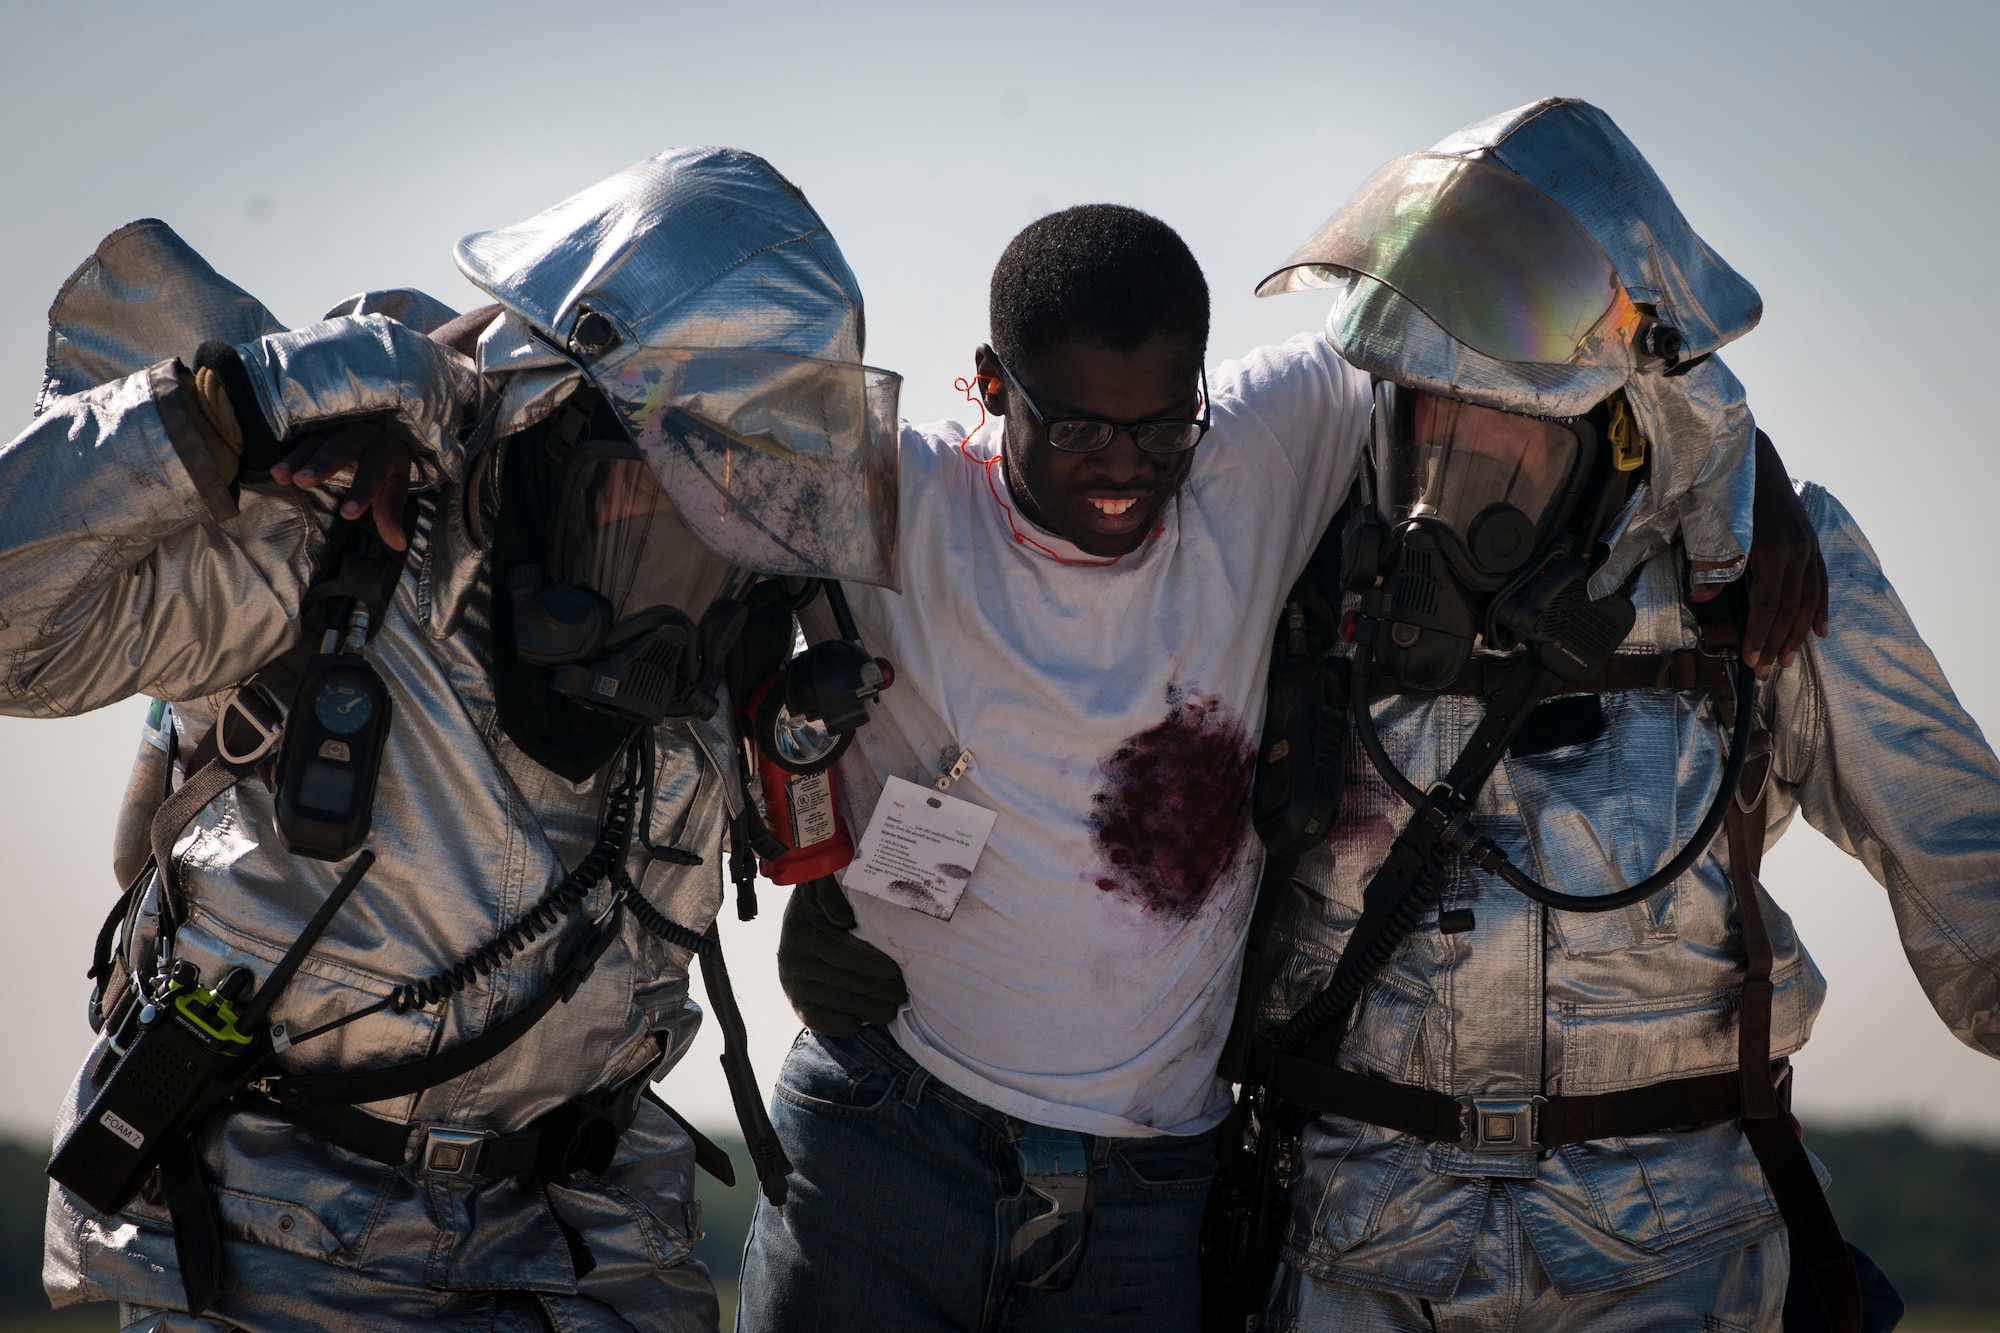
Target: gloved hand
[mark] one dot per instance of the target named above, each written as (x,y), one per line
(361,389)
(837,983)
(1785,573)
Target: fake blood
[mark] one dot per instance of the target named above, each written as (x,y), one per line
(1172,806)
(1366,825)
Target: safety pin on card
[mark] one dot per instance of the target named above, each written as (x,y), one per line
(920,849)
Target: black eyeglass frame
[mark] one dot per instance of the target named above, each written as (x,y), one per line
(1111,428)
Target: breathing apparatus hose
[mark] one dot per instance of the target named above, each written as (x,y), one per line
(601,862)
(1696,846)
(1711,824)
(1371,739)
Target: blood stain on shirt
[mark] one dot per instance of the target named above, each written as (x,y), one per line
(1172,806)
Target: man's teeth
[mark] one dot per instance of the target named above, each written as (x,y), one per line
(1113,507)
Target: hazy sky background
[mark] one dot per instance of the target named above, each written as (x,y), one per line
(1839,155)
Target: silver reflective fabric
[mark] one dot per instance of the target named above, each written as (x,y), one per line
(365,366)
(1576,159)
(118,575)
(1529,1003)
(143,297)
(1504,1289)
(708,251)
(406,305)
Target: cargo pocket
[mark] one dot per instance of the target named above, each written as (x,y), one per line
(1660,1191)
(276,1224)
(1349,1171)
(1168,1165)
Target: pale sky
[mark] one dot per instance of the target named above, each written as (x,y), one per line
(1838,155)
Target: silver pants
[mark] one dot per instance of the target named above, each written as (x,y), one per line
(1504,1287)
(680,1300)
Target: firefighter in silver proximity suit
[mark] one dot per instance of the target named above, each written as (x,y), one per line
(1500,1109)
(667,395)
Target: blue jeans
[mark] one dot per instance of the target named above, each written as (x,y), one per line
(915,1207)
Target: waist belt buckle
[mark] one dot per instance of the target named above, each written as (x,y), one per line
(1501,1124)
(453,1153)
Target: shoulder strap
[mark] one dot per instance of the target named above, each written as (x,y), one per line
(1817,1245)
(1271,887)
(363,569)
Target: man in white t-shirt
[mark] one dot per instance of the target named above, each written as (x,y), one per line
(1088,607)
(1094,624)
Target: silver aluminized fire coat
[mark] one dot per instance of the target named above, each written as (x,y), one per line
(125,567)
(1871,747)
(1869,744)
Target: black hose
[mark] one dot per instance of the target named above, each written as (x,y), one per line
(660,924)
(1732,775)
(1364,727)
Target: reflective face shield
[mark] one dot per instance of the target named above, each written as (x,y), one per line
(735,463)
(1497,484)
(1493,261)
(616,533)
(630,609)
(785,465)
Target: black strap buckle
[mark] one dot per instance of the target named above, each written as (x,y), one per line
(248,705)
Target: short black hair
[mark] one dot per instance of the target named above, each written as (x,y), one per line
(1100,274)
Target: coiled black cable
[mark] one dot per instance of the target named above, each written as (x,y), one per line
(1334,1004)
(653,919)
(604,860)
(554,907)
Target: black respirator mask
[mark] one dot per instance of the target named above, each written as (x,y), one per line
(631,611)
(1483,523)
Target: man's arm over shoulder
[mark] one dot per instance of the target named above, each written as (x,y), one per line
(1881,758)
(1300,401)
(125,564)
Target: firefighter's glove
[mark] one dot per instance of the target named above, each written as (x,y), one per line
(360,392)
(837,983)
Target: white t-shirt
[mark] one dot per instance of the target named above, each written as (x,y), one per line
(1087,977)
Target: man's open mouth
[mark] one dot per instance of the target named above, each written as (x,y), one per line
(1113,507)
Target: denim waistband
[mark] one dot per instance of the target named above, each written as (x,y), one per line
(914,1083)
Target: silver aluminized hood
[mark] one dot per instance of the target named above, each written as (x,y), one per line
(703,296)
(1583,171)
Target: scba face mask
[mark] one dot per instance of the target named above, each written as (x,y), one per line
(630,609)
(1473,532)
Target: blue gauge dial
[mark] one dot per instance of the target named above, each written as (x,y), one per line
(343,707)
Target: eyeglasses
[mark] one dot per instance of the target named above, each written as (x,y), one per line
(1086,435)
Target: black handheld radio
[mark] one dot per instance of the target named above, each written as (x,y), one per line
(188,1048)
(183,1046)
(332,751)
